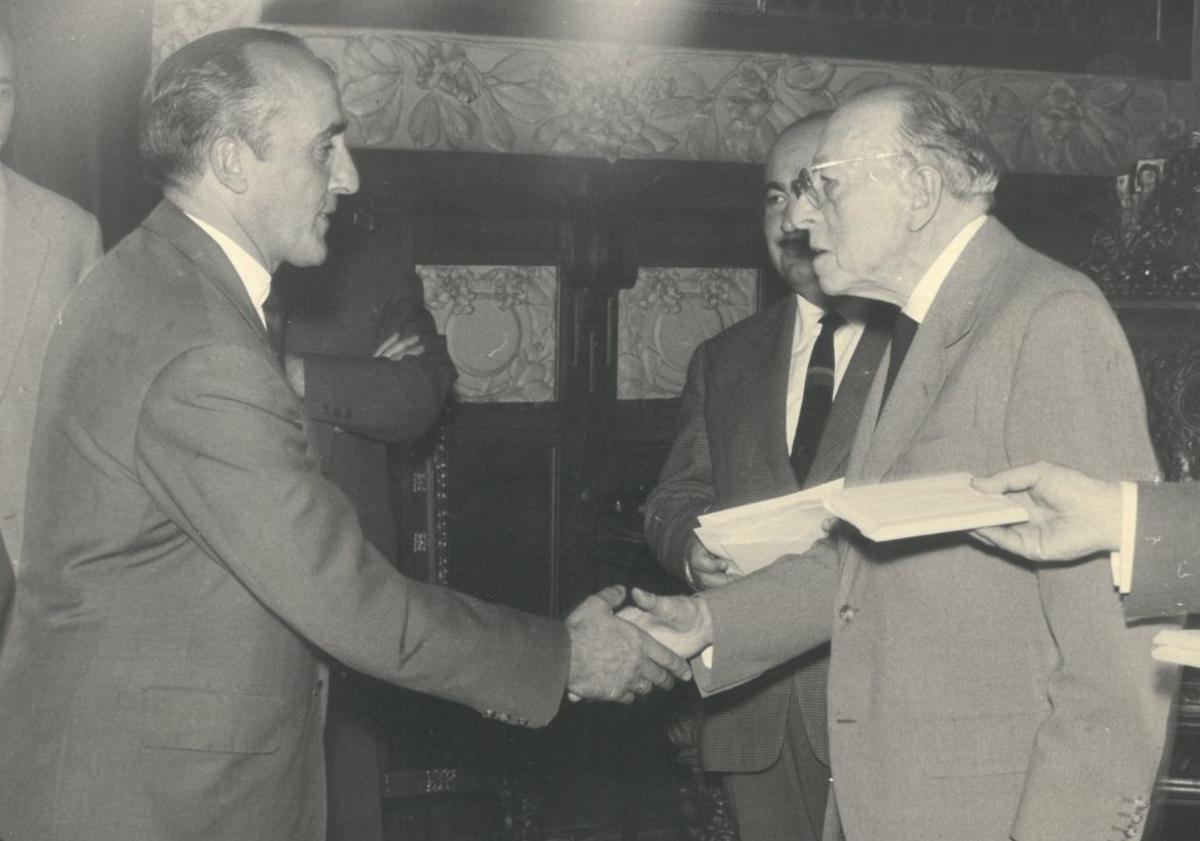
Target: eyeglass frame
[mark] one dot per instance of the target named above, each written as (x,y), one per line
(803,184)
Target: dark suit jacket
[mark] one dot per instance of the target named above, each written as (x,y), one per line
(1166,561)
(162,677)
(336,317)
(732,449)
(46,244)
(971,695)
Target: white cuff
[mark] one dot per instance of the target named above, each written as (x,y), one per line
(1122,560)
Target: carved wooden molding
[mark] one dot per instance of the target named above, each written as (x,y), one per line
(424,90)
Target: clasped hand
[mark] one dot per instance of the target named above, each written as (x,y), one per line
(618,656)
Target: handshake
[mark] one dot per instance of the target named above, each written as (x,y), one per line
(616,656)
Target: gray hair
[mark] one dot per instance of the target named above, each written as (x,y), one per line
(938,131)
(206,89)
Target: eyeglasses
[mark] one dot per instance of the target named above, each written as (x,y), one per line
(804,185)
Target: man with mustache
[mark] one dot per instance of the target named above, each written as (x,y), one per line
(760,419)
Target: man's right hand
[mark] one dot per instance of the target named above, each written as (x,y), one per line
(1071,515)
(611,659)
(706,570)
(681,623)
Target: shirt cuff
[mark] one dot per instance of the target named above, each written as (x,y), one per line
(1122,559)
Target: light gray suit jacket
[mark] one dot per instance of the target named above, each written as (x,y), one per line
(973,696)
(732,449)
(47,243)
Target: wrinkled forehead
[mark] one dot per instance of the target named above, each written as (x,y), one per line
(861,128)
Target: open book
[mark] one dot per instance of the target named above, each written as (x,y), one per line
(754,535)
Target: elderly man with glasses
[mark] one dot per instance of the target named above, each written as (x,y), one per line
(972,696)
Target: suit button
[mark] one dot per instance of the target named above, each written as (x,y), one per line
(846,613)
(318,686)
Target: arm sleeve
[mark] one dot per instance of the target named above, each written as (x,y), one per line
(378,398)
(1166,563)
(685,485)
(1076,400)
(769,617)
(221,447)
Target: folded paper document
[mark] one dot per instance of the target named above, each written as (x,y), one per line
(754,535)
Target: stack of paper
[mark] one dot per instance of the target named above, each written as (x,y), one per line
(755,535)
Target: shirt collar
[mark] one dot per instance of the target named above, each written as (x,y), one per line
(921,299)
(253,274)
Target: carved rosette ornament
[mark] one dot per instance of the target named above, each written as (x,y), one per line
(666,315)
(501,328)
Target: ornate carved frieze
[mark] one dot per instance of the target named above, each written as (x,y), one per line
(500,324)
(666,315)
(428,91)
(425,90)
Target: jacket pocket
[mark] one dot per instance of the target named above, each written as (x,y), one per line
(976,747)
(206,720)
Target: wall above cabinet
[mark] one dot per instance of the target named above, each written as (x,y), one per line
(1146,38)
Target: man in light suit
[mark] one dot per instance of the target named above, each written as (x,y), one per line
(47,243)
(163,677)
(744,414)
(971,696)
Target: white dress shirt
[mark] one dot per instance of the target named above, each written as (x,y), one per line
(253,274)
(918,303)
(808,327)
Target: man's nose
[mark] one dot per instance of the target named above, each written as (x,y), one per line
(343,180)
(800,214)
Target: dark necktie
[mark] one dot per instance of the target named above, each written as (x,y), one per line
(818,398)
(273,314)
(902,335)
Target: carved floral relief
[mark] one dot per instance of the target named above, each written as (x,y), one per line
(429,91)
(422,90)
(501,327)
(666,315)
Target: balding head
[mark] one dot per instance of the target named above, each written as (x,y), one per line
(225,83)
(786,244)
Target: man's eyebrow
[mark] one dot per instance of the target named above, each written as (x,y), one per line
(333,130)
(775,185)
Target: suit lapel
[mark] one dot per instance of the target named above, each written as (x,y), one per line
(834,447)
(24,255)
(763,393)
(933,352)
(169,221)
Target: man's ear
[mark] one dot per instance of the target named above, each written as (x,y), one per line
(925,195)
(225,158)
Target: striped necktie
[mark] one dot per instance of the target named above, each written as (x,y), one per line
(818,398)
